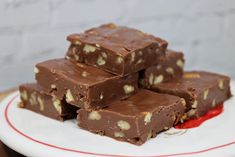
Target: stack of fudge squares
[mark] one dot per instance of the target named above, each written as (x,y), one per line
(122,83)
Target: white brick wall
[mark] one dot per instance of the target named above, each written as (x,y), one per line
(33,30)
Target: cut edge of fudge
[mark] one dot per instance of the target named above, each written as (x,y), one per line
(168,68)
(202,91)
(136,119)
(34,99)
(82,85)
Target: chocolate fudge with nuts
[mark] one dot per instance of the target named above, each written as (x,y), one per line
(116,49)
(201,90)
(170,67)
(82,85)
(135,119)
(34,99)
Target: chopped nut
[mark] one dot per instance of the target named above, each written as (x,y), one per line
(149,136)
(76,57)
(221,84)
(159,67)
(69,96)
(128,89)
(213,103)
(41,103)
(119,60)
(80,65)
(147,118)
(157,50)
(132,57)
(180,63)
(183,118)
(183,101)
(191,112)
(158,79)
(74,49)
(77,42)
(53,71)
(191,75)
(170,70)
(100,60)
(97,45)
(173,117)
(53,86)
(67,57)
(94,115)
(101,96)
(33,100)
(36,70)
(20,105)
(104,55)
(119,134)
(57,105)
(205,95)
(85,74)
(24,95)
(166,128)
(139,61)
(151,77)
(123,125)
(88,48)
(194,105)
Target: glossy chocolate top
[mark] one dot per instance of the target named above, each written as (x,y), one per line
(76,72)
(119,39)
(142,102)
(194,81)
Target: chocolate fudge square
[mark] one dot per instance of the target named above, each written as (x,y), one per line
(201,90)
(170,67)
(116,49)
(34,99)
(135,119)
(82,85)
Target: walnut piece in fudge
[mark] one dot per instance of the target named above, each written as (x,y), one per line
(34,99)
(135,119)
(201,90)
(82,85)
(169,67)
(116,49)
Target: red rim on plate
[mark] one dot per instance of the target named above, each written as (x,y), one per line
(99,154)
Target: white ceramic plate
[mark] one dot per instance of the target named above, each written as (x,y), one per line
(37,136)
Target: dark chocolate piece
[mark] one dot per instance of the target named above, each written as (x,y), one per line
(82,85)
(116,49)
(135,119)
(169,68)
(33,98)
(201,90)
